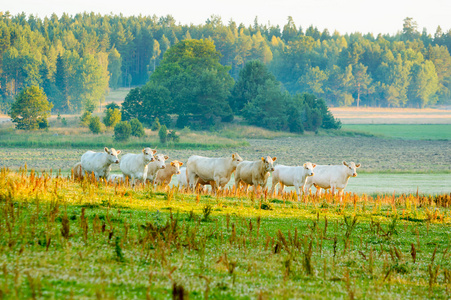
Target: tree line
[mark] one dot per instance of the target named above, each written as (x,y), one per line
(76,59)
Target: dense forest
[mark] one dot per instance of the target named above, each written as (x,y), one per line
(77,59)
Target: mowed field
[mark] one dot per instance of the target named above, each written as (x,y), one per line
(372,115)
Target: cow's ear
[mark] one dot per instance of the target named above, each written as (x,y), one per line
(181,164)
(304,165)
(166,157)
(357,165)
(106,149)
(345,163)
(172,163)
(274,158)
(154,151)
(263,159)
(144,150)
(233,156)
(314,165)
(118,152)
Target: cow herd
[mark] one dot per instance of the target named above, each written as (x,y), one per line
(150,167)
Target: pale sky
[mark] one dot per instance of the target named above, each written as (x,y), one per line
(346,16)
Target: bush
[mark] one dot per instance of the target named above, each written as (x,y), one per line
(122,131)
(156,125)
(137,128)
(163,134)
(31,109)
(85,119)
(112,117)
(94,125)
(172,136)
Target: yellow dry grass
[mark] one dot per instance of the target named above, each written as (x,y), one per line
(374,115)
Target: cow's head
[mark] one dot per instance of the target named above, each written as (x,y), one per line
(149,154)
(112,155)
(351,168)
(268,163)
(160,161)
(176,165)
(308,166)
(236,159)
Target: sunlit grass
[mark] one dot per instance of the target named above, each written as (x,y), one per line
(60,239)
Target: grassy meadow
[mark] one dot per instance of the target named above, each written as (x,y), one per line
(64,239)
(404,131)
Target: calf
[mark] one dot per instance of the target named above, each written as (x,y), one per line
(291,176)
(333,177)
(100,162)
(155,166)
(164,176)
(134,166)
(254,173)
(217,171)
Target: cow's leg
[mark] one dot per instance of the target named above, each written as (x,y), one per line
(273,187)
(296,187)
(281,189)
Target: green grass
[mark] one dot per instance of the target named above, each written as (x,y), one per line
(404,131)
(60,239)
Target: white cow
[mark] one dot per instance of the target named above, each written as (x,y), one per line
(134,166)
(254,173)
(291,176)
(217,171)
(182,179)
(333,177)
(155,166)
(99,162)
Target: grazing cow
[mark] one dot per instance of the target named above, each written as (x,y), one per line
(164,176)
(254,173)
(134,166)
(99,162)
(217,171)
(333,177)
(78,172)
(291,176)
(155,166)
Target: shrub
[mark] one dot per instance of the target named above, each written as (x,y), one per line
(163,134)
(31,109)
(112,117)
(85,119)
(122,131)
(94,125)
(172,136)
(137,128)
(156,125)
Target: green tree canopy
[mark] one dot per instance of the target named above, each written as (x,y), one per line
(30,109)
(198,84)
(252,77)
